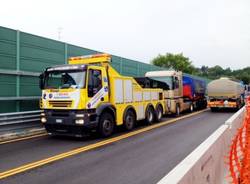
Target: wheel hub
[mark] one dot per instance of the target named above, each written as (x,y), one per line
(107,125)
(129,121)
(150,116)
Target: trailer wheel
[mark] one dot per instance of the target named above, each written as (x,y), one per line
(159,113)
(149,115)
(129,120)
(106,124)
(204,104)
(240,103)
(177,111)
(238,106)
(214,109)
(191,108)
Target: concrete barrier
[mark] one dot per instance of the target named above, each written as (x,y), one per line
(206,164)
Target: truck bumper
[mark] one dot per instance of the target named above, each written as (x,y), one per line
(222,104)
(64,122)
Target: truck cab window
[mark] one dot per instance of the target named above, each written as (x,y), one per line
(94,82)
(67,81)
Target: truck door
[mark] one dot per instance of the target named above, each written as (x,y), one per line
(94,82)
(177,86)
(97,87)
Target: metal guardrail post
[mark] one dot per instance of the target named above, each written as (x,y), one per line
(121,72)
(138,70)
(65,53)
(17,68)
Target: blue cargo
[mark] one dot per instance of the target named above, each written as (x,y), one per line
(193,87)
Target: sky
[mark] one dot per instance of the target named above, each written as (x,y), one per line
(209,32)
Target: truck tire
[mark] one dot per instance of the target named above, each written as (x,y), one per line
(202,104)
(149,115)
(129,120)
(205,104)
(158,113)
(191,108)
(214,109)
(240,103)
(106,125)
(177,111)
(238,106)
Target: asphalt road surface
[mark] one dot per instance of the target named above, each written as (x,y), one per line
(141,159)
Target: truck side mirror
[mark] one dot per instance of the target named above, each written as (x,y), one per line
(41,81)
(175,82)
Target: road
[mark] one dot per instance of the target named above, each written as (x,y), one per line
(140,159)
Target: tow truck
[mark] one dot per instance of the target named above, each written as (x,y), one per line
(88,94)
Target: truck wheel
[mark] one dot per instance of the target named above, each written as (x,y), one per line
(159,113)
(204,104)
(106,124)
(214,109)
(238,106)
(149,115)
(129,120)
(191,108)
(177,111)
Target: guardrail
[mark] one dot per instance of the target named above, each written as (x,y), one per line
(207,163)
(14,98)
(18,121)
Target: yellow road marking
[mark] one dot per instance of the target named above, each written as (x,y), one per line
(88,147)
(23,138)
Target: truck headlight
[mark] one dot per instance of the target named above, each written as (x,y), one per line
(79,121)
(43,120)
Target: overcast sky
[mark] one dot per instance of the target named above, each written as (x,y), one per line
(209,32)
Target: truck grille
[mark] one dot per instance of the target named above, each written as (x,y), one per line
(60,103)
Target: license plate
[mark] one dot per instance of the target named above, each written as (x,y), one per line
(58,120)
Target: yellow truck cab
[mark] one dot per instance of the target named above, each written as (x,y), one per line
(88,94)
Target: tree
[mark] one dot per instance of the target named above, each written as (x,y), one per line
(215,72)
(243,74)
(174,61)
(244,77)
(228,71)
(203,71)
(181,63)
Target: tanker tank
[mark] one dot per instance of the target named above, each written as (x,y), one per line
(225,93)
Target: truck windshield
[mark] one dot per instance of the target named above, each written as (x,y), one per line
(166,79)
(64,80)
